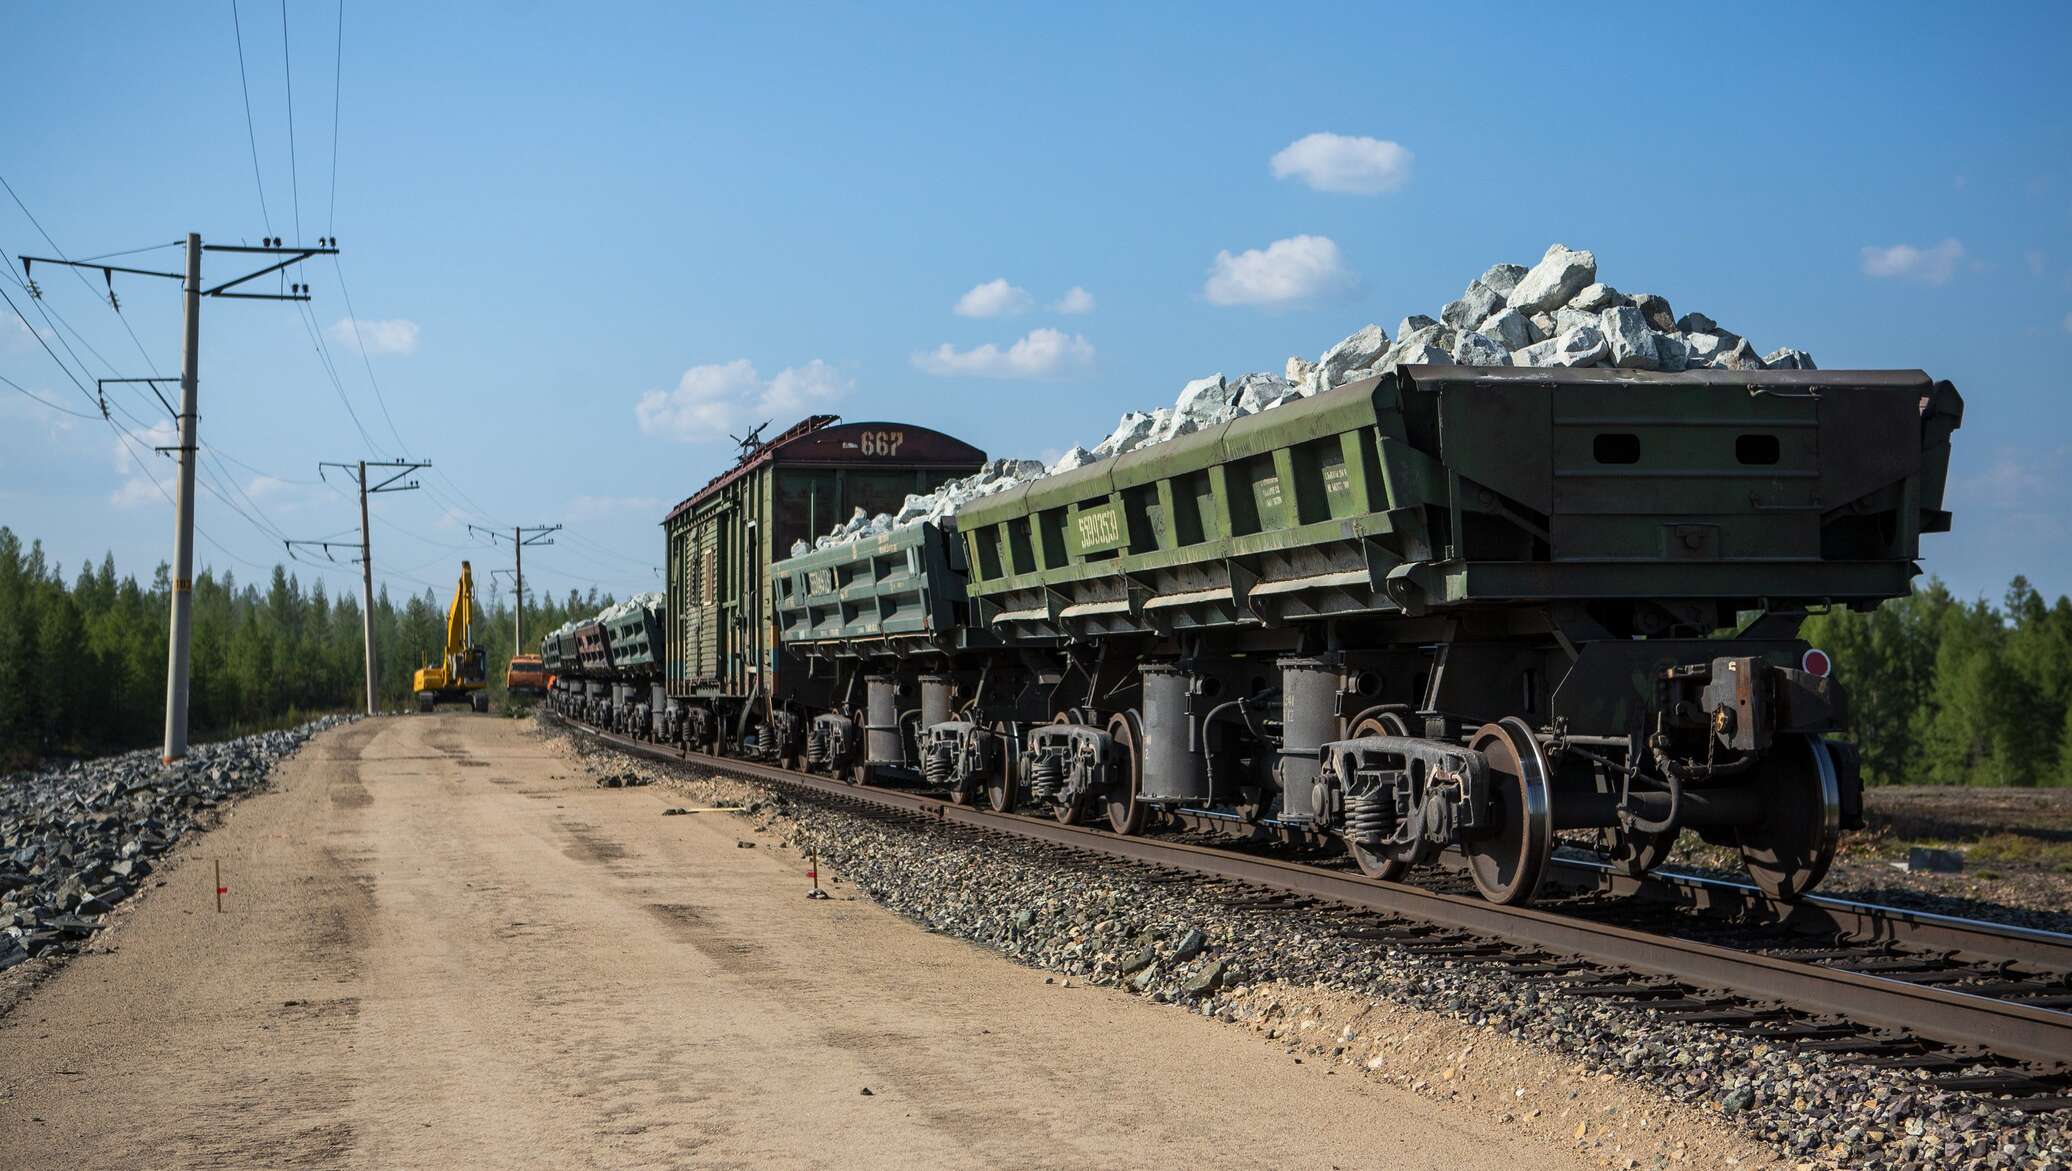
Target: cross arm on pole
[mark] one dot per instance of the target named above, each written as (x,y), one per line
(102,384)
(103,268)
(297,256)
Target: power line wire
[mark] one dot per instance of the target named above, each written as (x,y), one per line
(78,273)
(259,471)
(288,68)
(130,251)
(251,135)
(607,550)
(316,342)
(46,349)
(46,402)
(146,469)
(337,86)
(353,315)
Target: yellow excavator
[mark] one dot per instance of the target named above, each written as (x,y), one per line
(462,675)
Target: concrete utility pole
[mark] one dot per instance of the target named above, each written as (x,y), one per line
(176,674)
(521,536)
(358,469)
(366,589)
(180,628)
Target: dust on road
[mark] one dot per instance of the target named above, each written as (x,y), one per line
(445,948)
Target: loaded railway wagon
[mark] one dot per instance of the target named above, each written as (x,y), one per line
(592,683)
(563,667)
(855,609)
(726,678)
(633,637)
(1445,608)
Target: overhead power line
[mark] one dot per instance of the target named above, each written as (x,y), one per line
(294,171)
(337,88)
(46,402)
(251,135)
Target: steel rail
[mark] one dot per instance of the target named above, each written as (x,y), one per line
(2008,1028)
(1861,921)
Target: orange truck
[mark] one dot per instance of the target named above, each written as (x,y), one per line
(526,676)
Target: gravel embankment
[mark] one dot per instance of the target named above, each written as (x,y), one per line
(1211,950)
(76,841)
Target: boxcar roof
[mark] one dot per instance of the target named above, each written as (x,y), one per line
(825,441)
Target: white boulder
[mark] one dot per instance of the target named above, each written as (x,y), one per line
(1559,276)
(1473,306)
(1356,352)
(1479,349)
(1596,298)
(1074,457)
(1503,277)
(1512,328)
(1261,392)
(1656,310)
(1578,347)
(1631,342)
(1130,432)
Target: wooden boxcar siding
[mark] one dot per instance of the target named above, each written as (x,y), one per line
(722,629)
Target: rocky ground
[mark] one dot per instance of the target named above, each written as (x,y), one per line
(1213,951)
(77,841)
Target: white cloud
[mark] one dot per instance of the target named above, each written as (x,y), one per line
(1298,268)
(1043,353)
(995,298)
(1932,265)
(14,406)
(1076,300)
(712,401)
(1347,164)
(137,486)
(395,336)
(283,497)
(602,507)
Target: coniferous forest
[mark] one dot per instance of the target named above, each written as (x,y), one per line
(82,662)
(1941,690)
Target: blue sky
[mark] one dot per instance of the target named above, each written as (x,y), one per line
(582,246)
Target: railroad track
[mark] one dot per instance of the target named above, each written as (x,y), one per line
(1879,985)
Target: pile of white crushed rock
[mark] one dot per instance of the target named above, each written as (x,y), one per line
(1555,313)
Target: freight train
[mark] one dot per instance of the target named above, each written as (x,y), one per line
(1440,610)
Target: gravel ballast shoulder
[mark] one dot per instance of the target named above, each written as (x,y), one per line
(77,841)
(1211,948)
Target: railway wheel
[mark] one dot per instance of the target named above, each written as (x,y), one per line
(1125,813)
(1788,852)
(1000,781)
(1508,857)
(1375,863)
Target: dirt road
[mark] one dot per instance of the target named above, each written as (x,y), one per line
(445,948)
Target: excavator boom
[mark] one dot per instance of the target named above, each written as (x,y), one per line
(461,675)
